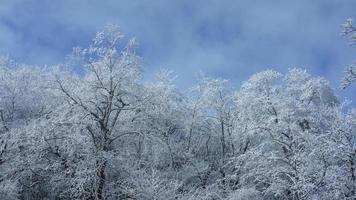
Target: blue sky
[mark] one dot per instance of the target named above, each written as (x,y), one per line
(231,39)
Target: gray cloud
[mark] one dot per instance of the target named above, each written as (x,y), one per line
(227,38)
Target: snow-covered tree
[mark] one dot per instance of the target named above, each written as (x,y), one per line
(285,158)
(24,97)
(216,97)
(105,99)
(350,72)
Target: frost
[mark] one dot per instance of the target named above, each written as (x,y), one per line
(109,135)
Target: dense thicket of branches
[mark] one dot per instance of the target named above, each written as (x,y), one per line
(109,135)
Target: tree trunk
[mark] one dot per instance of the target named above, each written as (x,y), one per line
(189,138)
(353,175)
(100,180)
(170,153)
(207,146)
(101,165)
(223,138)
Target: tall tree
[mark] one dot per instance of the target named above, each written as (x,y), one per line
(107,95)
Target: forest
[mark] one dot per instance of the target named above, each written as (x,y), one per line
(107,134)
